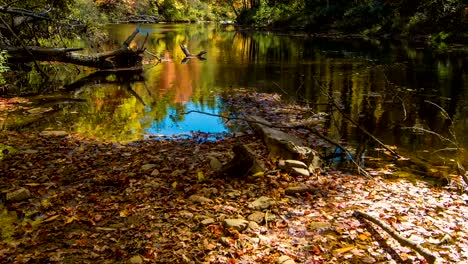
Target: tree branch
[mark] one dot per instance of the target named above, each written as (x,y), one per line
(403,241)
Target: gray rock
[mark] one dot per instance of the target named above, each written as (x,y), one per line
(289,164)
(148,167)
(239,224)
(199,199)
(177,173)
(208,221)
(253,226)
(300,172)
(137,259)
(285,260)
(53,133)
(234,194)
(261,203)
(257,217)
(215,164)
(270,217)
(18,195)
(186,214)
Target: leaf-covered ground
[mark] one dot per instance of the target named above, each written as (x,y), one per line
(159,202)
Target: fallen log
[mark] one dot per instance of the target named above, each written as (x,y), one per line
(282,145)
(123,57)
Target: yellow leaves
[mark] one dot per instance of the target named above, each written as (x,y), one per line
(52,218)
(33,184)
(259,174)
(342,250)
(174,185)
(363,237)
(70,219)
(124,213)
(128,210)
(200,176)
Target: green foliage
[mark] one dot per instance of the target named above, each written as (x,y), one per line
(368,15)
(3,66)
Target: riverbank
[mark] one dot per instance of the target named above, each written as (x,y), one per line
(70,199)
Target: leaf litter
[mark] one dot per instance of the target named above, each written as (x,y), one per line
(158,201)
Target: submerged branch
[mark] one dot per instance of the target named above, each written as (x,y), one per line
(347,117)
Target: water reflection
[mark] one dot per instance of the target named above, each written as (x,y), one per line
(384,86)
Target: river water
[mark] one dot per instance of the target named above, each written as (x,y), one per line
(387,87)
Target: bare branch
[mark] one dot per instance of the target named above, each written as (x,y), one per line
(403,241)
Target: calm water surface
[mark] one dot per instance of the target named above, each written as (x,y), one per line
(385,86)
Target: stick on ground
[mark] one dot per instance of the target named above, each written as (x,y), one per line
(403,241)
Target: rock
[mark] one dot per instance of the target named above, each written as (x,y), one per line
(257,217)
(289,164)
(18,195)
(30,151)
(177,173)
(319,226)
(186,214)
(215,164)
(234,194)
(208,221)
(253,226)
(285,260)
(227,241)
(261,203)
(147,167)
(208,192)
(137,259)
(199,199)
(238,224)
(270,217)
(302,188)
(155,172)
(300,172)
(54,133)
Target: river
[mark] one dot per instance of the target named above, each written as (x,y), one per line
(386,86)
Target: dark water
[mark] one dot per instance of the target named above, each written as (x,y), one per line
(386,87)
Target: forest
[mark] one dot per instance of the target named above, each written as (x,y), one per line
(235,131)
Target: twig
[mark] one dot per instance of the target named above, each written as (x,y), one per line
(430,132)
(403,241)
(154,55)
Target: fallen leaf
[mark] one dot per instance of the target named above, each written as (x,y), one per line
(52,218)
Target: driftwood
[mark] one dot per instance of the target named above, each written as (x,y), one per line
(122,57)
(243,163)
(280,144)
(403,241)
(189,55)
(137,19)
